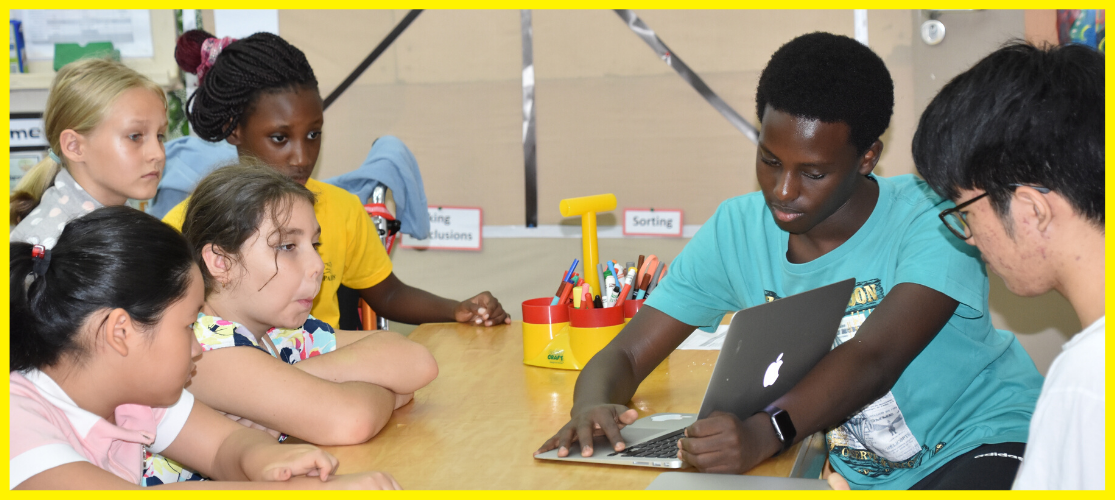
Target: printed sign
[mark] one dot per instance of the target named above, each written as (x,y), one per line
(652,222)
(451,228)
(27,132)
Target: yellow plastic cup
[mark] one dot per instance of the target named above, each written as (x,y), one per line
(591,329)
(541,324)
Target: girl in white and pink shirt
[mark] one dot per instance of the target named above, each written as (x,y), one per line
(101,348)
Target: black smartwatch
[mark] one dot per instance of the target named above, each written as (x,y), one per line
(783,427)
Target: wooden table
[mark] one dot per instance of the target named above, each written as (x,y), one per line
(477,425)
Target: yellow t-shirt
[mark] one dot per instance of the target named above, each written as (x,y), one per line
(350,246)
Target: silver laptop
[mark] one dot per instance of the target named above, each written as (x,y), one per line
(768,349)
(704,481)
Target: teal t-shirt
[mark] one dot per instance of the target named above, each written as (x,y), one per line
(971,385)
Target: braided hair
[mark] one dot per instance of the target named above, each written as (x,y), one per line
(228,91)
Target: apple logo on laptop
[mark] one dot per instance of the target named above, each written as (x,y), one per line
(772,372)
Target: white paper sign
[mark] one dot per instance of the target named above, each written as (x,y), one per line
(128,30)
(240,23)
(451,228)
(27,132)
(652,222)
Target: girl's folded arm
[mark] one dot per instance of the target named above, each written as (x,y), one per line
(247,382)
(382,358)
(86,476)
(75,476)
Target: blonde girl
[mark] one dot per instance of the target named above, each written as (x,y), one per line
(106,125)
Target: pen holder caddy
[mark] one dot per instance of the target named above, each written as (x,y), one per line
(591,329)
(546,335)
(630,307)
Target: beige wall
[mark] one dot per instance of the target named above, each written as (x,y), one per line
(607,108)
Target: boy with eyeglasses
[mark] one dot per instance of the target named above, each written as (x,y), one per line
(1018,143)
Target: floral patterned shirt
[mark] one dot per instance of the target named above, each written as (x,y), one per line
(292,345)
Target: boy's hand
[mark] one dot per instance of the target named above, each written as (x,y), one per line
(722,443)
(606,419)
(290,460)
(482,309)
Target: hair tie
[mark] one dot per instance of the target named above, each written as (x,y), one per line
(50,153)
(210,49)
(41,256)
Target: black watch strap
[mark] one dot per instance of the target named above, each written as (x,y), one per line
(783,426)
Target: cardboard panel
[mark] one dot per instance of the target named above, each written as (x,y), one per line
(336,41)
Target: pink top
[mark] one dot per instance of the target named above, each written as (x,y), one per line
(48,430)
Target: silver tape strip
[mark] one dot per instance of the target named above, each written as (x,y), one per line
(671,59)
(530,165)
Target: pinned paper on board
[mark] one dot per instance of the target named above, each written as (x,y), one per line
(128,30)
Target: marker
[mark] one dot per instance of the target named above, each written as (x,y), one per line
(639,266)
(577,297)
(657,276)
(565,293)
(643,287)
(610,287)
(572,268)
(586,301)
(557,296)
(600,272)
(626,287)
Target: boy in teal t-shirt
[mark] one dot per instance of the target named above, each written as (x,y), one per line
(920,391)
(971,385)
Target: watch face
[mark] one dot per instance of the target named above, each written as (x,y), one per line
(783,426)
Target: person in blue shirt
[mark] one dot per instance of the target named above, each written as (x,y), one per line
(919,390)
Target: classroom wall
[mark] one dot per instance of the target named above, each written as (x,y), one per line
(608,110)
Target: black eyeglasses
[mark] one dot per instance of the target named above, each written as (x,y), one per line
(957,221)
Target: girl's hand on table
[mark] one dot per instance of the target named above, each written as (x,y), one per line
(483,309)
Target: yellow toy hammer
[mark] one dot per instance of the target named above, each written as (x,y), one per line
(586,207)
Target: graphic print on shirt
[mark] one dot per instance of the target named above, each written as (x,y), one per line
(876,440)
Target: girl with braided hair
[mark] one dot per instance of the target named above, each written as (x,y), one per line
(260,94)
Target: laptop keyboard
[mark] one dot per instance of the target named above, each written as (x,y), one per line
(660,447)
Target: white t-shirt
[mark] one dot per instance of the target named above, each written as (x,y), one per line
(1067,436)
(48,430)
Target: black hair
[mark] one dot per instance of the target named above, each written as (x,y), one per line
(245,69)
(113,257)
(831,78)
(228,207)
(1022,115)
